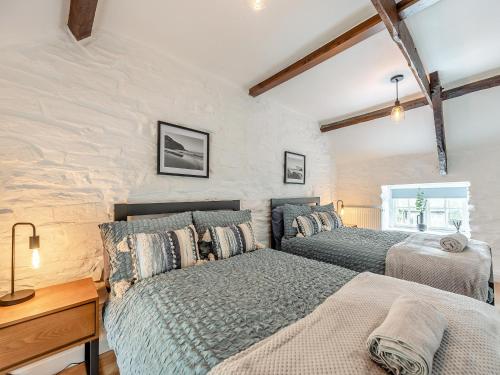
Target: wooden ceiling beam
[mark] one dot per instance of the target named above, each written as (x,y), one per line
(437,107)
(416,103)
(81,18)
(482,84)
(379,113)
(389,13)
(348,39)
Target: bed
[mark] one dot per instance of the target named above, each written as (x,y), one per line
(193,320)
(366,250)
(204,314)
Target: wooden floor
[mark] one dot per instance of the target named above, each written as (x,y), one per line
(107,366)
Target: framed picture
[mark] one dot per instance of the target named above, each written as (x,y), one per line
(182,151)
(295,168)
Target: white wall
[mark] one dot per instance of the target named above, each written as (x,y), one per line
(380,158)
(78,134)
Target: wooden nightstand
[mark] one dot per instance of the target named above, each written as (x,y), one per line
(57,318)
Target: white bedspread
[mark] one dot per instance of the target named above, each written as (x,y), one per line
(332,339)
(420,258)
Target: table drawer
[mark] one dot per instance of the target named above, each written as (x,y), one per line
(33,338)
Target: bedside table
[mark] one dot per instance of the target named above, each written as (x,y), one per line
(57,318)
(351,225)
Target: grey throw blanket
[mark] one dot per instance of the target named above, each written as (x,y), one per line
(420,258)
(408,338)
(331,340)
(187,321)
(454,243)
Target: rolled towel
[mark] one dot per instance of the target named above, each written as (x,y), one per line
(454,243)
(405,343)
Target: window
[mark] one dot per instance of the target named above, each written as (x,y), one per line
(444,203)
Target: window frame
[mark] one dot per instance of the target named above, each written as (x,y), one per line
(390,207)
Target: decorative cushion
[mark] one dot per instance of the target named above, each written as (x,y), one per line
(205,219)
(308,225)
(290,213)
(155,253)
(120,262)
(232,240)
(326,208)
(330,220)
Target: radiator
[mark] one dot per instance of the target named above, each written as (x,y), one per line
(363,217)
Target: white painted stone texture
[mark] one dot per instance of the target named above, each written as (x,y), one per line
(78,134)
(360,184)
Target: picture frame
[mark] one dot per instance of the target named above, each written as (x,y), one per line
(295,168)
(182,151)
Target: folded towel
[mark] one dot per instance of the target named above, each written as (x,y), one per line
(405,343)
(454,243)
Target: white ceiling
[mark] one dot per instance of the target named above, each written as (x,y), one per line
(228,38)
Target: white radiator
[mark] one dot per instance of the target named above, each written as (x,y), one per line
(363,217)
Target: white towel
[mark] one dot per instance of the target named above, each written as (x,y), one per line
(454,243)
(405,343)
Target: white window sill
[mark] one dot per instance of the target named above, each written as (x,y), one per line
(430,231)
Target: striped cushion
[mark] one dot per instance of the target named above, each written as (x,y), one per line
(113,233)
(330,220)
(232,240)
(308,225)
(155,253)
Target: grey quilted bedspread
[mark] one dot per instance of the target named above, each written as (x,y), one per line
(189,320)
(353,248)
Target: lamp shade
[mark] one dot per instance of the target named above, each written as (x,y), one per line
(398,112)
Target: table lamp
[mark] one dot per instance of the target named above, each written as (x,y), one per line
(15,297)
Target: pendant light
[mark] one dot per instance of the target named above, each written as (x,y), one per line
(257,5)
(398,112)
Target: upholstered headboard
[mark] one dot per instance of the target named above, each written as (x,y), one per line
(277,202)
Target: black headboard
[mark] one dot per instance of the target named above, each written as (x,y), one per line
(276,202)
(124,210)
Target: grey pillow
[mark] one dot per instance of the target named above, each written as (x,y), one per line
(112,234)
(277,226)
(205,219)
(326,208)
(290,213)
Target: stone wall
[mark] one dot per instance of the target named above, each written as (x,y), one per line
(78,134)
(360,184)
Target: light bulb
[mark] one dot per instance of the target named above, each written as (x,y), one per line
(257,5)
(342,211)
(398,113)
(35,258)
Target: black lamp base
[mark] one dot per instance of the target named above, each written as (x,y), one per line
(17,297)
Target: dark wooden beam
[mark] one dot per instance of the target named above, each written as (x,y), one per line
(355,35)
(389,13)
(348,39)
(456,92)
(380,113)
(483,84)
(81,17)
(437,107)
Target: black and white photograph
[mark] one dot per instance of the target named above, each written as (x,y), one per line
(295,168)
(182,151)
